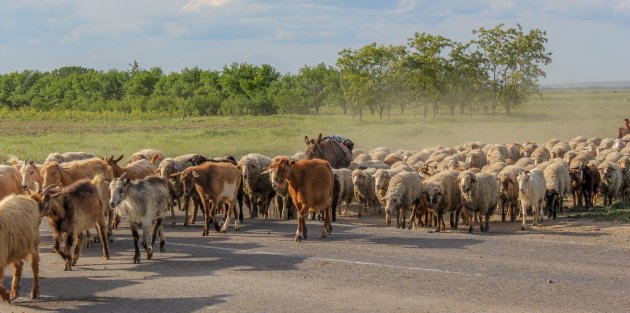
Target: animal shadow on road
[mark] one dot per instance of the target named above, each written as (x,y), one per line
(80,294)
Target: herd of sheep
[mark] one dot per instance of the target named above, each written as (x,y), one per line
(75,192)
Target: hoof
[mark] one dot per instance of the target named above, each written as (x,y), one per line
(14,295)
(136,261)
(522,227)
(34,295)
(4,295)
(298,238)
(223,231)
(149,256)
(144,244)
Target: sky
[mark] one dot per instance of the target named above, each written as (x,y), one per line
(589,39)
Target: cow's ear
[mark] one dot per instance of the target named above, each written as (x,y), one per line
(319,138)
(306,140)
(119,158)
(194,174)
(292,162)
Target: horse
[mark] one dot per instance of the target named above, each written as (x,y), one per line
(328,150)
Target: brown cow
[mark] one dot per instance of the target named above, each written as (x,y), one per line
(310,184)
(214,182)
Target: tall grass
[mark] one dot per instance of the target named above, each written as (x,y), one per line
(559,114)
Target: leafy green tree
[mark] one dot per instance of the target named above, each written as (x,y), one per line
(141,83)
(513,60)
(428,58)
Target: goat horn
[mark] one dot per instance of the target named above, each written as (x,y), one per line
(50,187)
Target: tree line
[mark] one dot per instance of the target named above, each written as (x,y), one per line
(431,74)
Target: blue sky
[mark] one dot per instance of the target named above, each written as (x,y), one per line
(590,40)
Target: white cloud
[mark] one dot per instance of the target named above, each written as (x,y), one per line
(405,6)
(499,6)
(196,5)
(623,6)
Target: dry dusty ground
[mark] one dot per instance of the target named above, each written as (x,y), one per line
(568,265)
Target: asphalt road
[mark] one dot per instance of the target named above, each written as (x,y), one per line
(361,267)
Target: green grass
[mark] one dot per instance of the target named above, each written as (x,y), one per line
(618,212)
(559,114)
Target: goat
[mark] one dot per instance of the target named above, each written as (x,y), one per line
(145,201)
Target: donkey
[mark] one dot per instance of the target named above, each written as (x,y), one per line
(328,150)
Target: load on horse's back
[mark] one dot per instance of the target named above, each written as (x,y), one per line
(337,150)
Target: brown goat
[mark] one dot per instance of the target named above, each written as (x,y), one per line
(31,176)
(217,183)
(136,170)
(72,211)
(9,181)
(68,173)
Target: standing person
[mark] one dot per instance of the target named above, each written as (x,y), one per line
(625,130)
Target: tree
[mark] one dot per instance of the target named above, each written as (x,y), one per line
(513,61)
(465,77)
(427,59)
(142,82)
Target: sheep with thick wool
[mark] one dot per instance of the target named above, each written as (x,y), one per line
(442,195)
(403,194)
(558,184)
(508,191)
(363,182)
(531,186)
(344,176)
(480,195)
(611,181)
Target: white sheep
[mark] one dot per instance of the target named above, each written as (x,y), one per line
(611,181)
(508,191)
(442,195)
(558,184)
(532,189)
(363,182)
(480,195)
(476,158)
(541,154)
(624,164)
(257,186)
(347,188)
(403,194)
(68,157)
(494,168)
(19,239)
(575,141)
(381,182)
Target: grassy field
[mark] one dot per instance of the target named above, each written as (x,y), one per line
(558,114)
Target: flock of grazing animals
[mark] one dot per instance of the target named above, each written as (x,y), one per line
(77,191)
